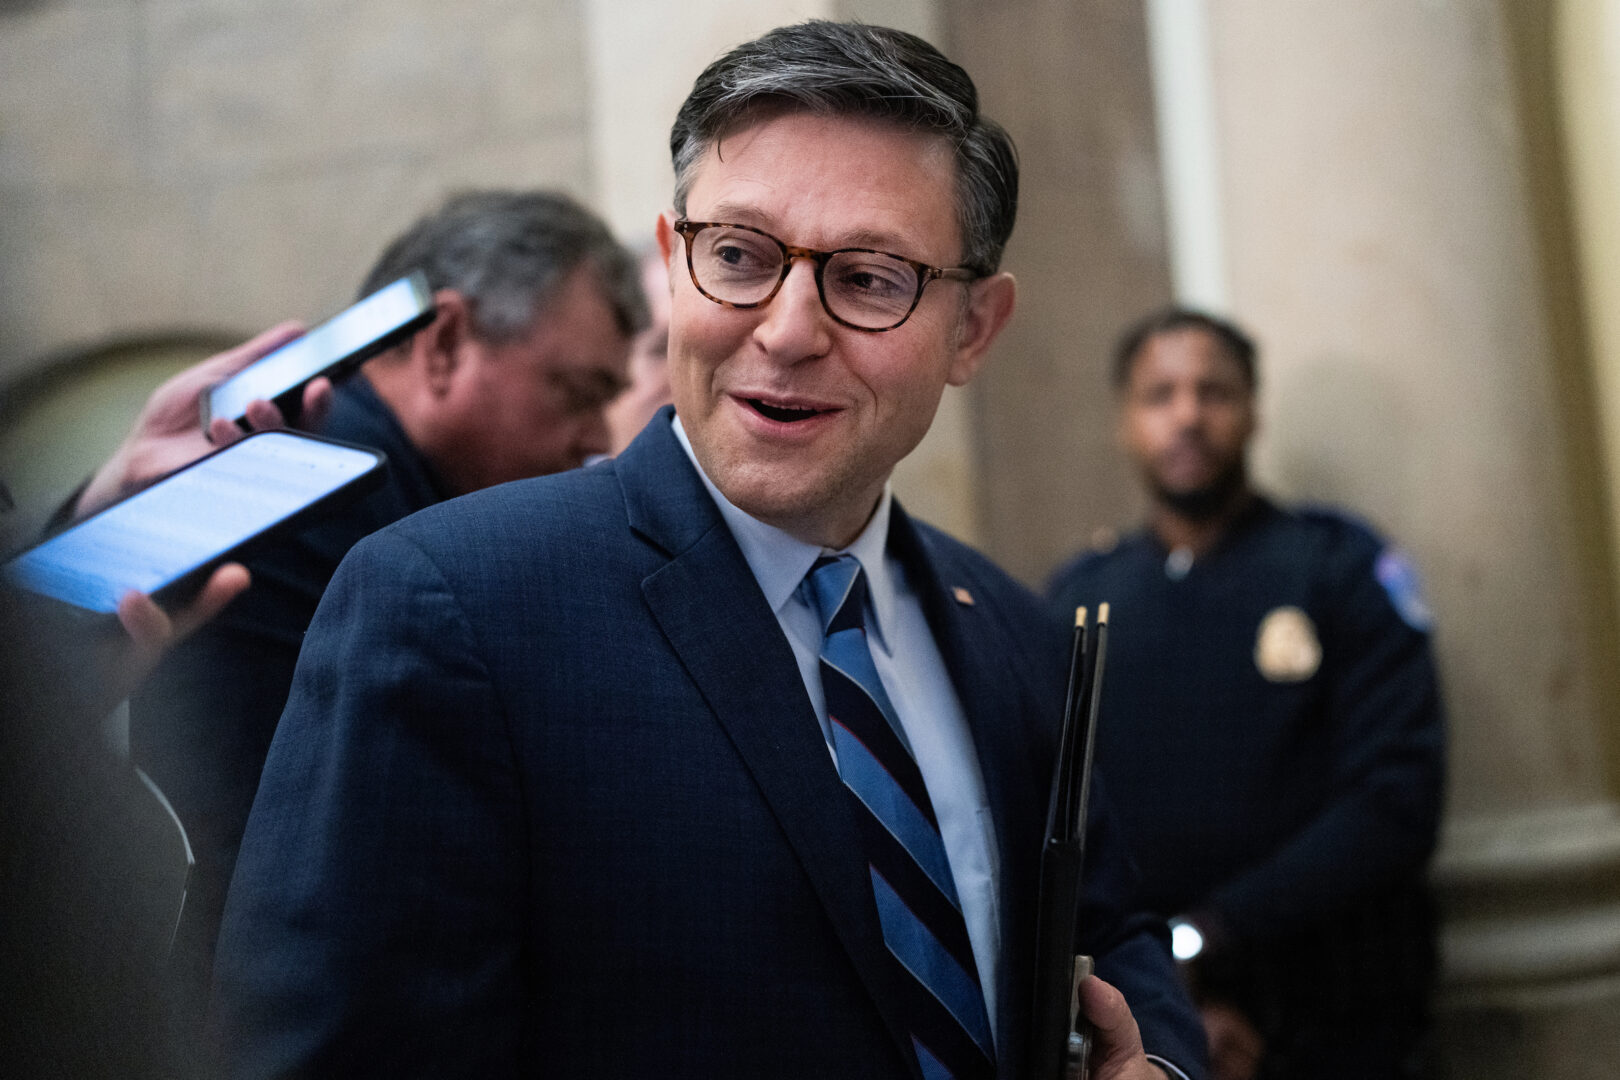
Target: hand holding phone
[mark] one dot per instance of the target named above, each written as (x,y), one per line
(333,349)
(166,540)
(165,435)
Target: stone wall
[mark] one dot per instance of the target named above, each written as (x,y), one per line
(184,163)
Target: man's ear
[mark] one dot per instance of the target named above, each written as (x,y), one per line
(665,232)
(436,349)
(990,304)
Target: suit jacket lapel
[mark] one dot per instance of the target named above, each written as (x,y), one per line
(710,608)
(999,710)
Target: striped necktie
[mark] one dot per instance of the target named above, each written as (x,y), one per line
(911,878)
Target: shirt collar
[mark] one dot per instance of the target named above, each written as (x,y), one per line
(781,561)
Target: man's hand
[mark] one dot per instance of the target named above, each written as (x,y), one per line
(62,665)
(124,662)
(152,631)
(1117,1052)
(168,433)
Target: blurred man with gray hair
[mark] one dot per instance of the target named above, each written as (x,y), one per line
(536,307)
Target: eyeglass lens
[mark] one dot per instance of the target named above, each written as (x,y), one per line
(865,288)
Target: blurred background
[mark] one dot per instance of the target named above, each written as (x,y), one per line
(1412,203)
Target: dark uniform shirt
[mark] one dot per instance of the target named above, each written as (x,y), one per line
(1271,731)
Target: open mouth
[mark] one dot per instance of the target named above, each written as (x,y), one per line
(786,414)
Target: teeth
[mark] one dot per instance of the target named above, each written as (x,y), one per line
(783,413)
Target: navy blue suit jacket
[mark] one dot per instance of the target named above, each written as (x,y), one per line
(201,725)
(549,798)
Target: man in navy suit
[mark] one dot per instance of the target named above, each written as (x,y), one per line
(565,784)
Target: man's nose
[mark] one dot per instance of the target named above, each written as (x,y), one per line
(795,325)
(1186,408)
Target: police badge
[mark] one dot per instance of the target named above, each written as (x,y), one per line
(1287,650)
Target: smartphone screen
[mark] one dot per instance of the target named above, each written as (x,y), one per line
(380,321)
(190,519)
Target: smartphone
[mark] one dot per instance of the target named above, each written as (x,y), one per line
(167,539)
(334,349)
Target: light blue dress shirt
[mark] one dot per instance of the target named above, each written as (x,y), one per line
(917,682)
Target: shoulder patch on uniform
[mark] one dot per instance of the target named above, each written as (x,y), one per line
(1399,578)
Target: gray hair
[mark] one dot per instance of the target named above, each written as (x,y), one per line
(508,252)
(849,69)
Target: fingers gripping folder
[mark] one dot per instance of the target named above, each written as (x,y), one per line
(1060,1037)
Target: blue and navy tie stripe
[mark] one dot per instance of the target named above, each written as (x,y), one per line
(911,878)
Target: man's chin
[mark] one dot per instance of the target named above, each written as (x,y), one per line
(1203,503)
(817,513)
(769,491)
(1199,504)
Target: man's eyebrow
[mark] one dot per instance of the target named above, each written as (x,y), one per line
(736,214)
(882,241)
(743,214)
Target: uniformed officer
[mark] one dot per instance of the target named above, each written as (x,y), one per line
(1270,728)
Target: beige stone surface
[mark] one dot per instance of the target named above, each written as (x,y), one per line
(939,481)
(1587,50)
(1382,245)
(86,263)
(229,163)
(257,86)
(56,130)
(1577,1040)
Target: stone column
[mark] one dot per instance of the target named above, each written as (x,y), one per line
(1582,43)
(1070,82)
(1394,235)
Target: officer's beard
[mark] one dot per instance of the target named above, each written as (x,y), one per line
(1212,499)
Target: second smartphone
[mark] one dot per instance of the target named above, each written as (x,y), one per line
(334,348)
